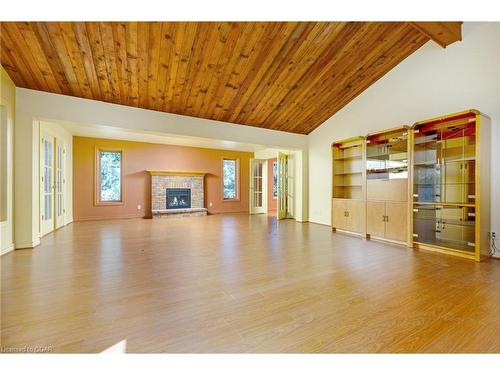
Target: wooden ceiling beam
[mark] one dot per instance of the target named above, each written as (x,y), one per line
(443,33)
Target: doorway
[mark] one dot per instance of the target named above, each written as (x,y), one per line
(270,185)
(258,186)
(282,177)
(52,182)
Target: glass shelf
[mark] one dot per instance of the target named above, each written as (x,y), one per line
(346,173)
(387,170)
(387,155)
(453,204)
(454,192)
(395,157)
(386,174)
(349,158)
(439,163)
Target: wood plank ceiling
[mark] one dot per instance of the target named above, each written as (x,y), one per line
(289,76)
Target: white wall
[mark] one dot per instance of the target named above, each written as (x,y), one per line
(35,106)
(59,108)
(429,83)
(8,101)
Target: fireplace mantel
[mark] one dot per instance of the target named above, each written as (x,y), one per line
(174,173)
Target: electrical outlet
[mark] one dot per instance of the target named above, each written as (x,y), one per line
(494,247)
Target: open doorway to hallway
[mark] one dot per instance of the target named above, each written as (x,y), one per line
(272,184)
(264,186)
(54,176)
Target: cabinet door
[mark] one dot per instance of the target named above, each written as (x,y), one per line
(355,215)
(375,224)
(455,228)
(396,222)
(338,213)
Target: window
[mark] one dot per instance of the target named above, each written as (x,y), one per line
(230,179)
(109,178)
(275,179)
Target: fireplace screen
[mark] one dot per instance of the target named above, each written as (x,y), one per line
(178,198)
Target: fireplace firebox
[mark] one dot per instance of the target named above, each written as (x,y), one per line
(178,198)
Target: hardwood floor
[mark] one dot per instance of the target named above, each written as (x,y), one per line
(235,283)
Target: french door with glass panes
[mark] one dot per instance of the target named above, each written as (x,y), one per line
(258,186)
(52,183)
(282,185)
(47,142)
(59,183)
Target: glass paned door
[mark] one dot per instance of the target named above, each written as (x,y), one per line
(444,163)
(59,183)
(258,191)
(282,185)
(445,226)
(47,184)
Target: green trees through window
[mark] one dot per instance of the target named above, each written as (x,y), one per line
(229,171)
(110,176)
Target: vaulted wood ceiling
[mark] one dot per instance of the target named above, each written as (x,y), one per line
(289,76)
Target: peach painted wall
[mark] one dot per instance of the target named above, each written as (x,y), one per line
(272,203)
(139,157)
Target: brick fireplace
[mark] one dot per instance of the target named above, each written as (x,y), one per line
(177,186)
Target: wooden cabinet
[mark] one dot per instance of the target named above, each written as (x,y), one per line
(348,214)
(348,170)
(387,220)
(348,185)
(338,213)
(375,218)
(387,185)
(428,186)
(396,221)
(355,217)
(451,185)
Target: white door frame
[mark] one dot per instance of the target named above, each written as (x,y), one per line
(258,206)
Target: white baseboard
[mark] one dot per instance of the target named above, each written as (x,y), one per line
(28,245)
(8,249)
(319,223)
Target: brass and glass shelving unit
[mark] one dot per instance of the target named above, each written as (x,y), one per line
(387,185)
(450,184)
(348,192)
